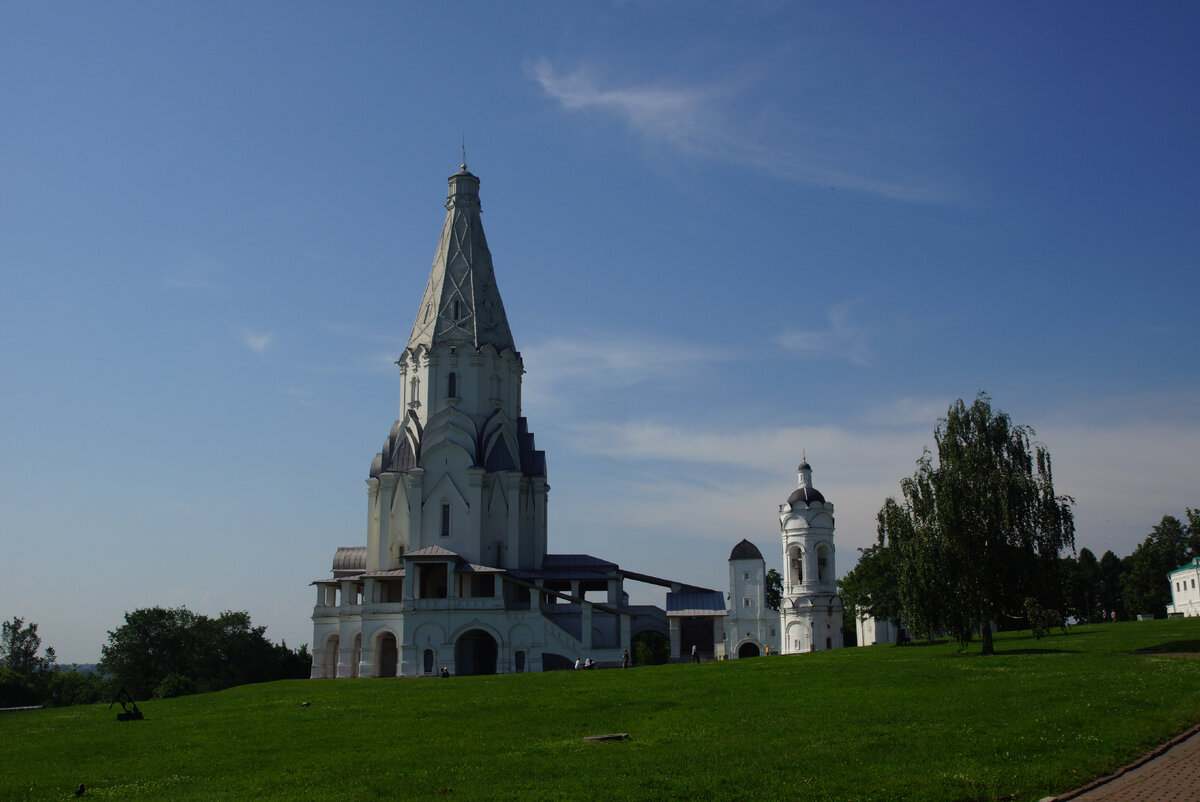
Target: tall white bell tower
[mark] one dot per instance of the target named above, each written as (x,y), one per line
(811,609)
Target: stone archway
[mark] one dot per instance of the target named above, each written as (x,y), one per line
(748,649)
(475,652)
(389,655)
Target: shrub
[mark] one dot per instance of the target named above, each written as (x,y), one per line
(174,685)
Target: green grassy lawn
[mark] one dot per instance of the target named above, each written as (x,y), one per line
(922,722)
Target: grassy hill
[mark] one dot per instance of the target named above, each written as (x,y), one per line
(922,722)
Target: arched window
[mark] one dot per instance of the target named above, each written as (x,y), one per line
(453,386)
(796,565)
(414,390)
(445,520)
(428,661)
(519,660)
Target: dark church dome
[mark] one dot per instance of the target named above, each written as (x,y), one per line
(745,551)
(806,494)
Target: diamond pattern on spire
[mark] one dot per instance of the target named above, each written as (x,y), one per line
(461,304)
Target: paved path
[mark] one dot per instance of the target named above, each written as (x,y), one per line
(1168,774)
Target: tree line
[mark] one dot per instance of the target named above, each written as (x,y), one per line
(979,538)
(157,652)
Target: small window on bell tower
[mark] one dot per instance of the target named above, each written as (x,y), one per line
(453,386)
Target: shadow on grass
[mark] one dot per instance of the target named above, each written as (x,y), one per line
(1172,647)
(1032,651)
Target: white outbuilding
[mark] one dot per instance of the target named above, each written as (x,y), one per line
(1185,593)
(751,627)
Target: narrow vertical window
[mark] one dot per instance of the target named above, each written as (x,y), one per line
(453,385)
(456,315)
(445,520)
(428,311)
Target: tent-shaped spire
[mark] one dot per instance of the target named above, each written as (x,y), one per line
(462,305)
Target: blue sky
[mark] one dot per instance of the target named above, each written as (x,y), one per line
(724,233)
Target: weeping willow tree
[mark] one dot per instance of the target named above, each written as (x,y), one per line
(979,530)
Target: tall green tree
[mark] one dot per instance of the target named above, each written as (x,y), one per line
(1145,588)
(981,529)
(774,589)
(870,588)
(1083,585)
(173,650)
(19,644)
(1112,571)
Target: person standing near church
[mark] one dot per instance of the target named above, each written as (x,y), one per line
(695,654)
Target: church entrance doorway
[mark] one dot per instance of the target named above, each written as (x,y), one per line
(748,649)
(475,653)
(389,655)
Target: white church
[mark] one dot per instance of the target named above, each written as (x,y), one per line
(456,572)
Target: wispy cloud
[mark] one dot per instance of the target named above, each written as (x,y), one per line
(257,341)
(609,362)
(843,338)
(196,273)
(379,362)
(713,122)
(300,396)
(677,480)
(907,412)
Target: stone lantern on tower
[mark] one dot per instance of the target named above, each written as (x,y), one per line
(811,609)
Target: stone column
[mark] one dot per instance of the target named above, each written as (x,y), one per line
(586,632)
(366,666)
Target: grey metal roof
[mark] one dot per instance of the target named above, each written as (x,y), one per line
(350,558)
(394,573)
(575,561)
(805,495)
(431,551)
(696,602)
(462,304)
(465,567)
(397,453)
(745,551)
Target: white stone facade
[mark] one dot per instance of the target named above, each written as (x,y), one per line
(455,571)
(1185,590)
(871,631)
(751,628)
(811,607)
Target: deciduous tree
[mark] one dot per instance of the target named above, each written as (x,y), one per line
(774,589)
(196,652)
(870,588)
(979,530)
(19,644)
